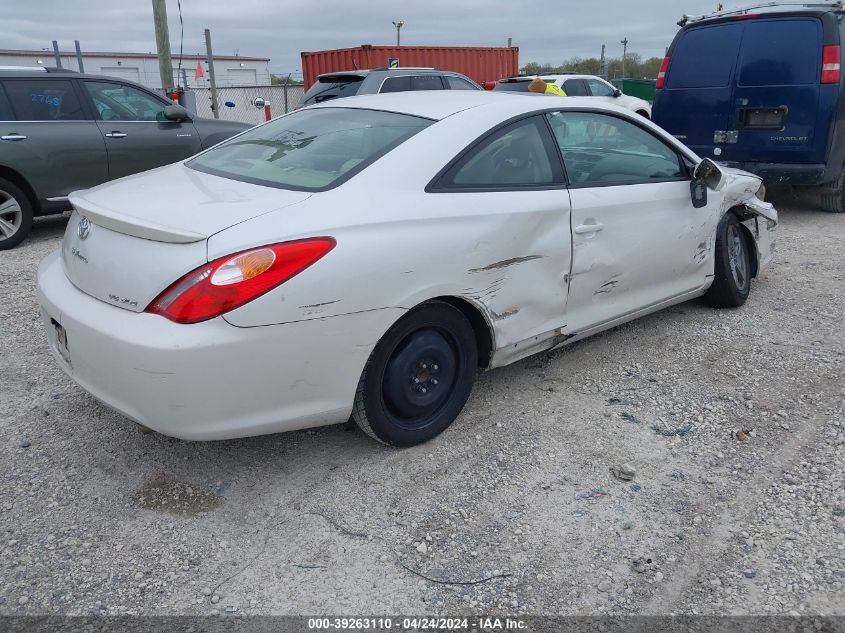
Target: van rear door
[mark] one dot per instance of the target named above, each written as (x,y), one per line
(696,102)
(776,97)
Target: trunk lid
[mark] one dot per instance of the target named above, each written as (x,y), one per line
(128,240)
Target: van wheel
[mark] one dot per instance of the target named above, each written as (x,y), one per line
(15,215)
(419,376)
(833,196)
(732,280)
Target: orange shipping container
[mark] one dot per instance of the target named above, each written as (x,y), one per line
(478,63)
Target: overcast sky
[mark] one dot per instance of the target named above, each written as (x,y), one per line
(545,30)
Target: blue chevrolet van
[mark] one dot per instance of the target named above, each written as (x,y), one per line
(761,89)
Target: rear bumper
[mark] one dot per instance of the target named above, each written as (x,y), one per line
(209,380)
(784,173)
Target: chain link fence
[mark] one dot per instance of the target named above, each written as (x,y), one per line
(282,99)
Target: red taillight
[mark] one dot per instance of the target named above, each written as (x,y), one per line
(661,74)
(231,281)
(747,16)
(831,64)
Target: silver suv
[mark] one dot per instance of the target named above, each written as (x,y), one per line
(63,131)
(378,80)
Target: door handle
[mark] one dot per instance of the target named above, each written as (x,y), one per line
(589,228)
(116,134)
(13,137)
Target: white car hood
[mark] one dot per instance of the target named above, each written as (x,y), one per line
(176,204)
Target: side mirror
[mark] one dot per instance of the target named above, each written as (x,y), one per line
(259,102)
(176,113)
(617,93)
(710,173)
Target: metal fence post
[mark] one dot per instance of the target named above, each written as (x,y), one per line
(79,56)
(57,54)
(215,104)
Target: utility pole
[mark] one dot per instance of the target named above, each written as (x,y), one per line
(79,56)
(211,83)
(56,54)
(398,26)
(603,64)
(165,66)
(624,54)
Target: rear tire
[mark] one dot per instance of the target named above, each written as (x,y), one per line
(833,195)
(419,376)
(732,281)
(15,215)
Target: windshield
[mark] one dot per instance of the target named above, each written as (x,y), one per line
(332,87)
(309,150)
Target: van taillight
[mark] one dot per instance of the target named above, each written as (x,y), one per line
(661,74)
(831,65)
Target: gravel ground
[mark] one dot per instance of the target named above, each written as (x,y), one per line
(608,477)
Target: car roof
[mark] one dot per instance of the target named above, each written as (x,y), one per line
(439,104)
(551,76)
(392,71)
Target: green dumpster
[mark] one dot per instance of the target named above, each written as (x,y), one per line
(642,88)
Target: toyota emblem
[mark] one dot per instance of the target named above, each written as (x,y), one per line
(84,228)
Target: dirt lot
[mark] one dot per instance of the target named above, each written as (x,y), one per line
(513,511)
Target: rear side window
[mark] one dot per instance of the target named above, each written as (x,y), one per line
(458,83)
(576,88)
(781,52)
(704,57)
(309,150)
(332,87)
(512,86)
(44,100)
(515,156)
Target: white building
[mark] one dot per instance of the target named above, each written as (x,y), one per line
(229,70)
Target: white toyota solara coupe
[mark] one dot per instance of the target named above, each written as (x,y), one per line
(365,258)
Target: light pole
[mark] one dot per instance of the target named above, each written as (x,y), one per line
(624,54)
(398,26)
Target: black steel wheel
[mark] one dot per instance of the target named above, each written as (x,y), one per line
(418,377)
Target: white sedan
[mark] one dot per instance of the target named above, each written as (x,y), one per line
(365,258)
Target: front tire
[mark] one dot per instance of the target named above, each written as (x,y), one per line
(419,376)
(15,215)
(732,269)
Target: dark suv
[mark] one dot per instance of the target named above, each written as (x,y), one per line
(379,80)
(63,131)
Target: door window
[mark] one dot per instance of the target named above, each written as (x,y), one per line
(781,52)
(704,57)
(119,102)
(515,156)
(575,88)
(426,82)
(600,89)
(44,100)
(600,150)
(5,108)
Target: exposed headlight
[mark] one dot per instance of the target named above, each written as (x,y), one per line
(761,193)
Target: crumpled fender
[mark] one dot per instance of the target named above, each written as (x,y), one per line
(739,188)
